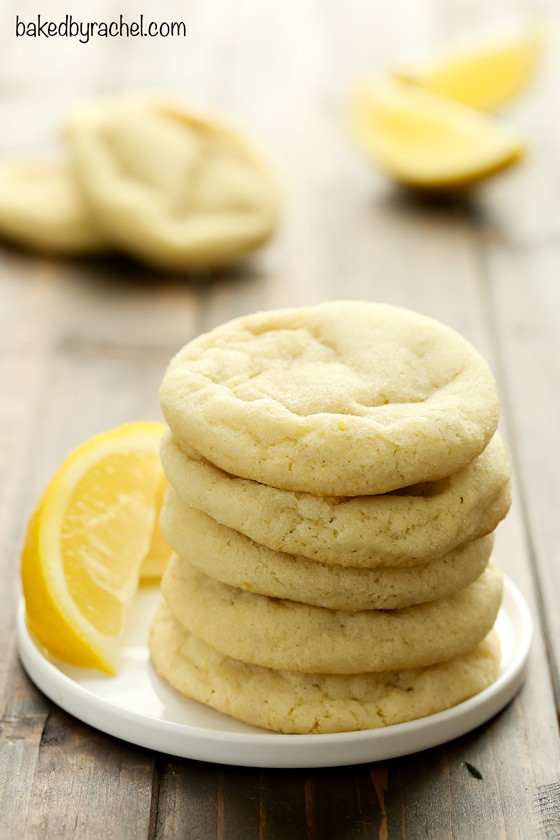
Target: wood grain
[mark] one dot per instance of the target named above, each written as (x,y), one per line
(83,346)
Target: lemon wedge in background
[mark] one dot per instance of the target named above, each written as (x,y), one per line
(482,75)
(86,542)
(426,141)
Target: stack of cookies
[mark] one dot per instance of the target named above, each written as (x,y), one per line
(335,478)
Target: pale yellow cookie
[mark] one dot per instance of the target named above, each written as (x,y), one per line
(41,209)
(171,187)
(403,528)
(344,398)
(287,635)
(292,702)
(228,556)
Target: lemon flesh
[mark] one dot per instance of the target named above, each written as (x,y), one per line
(159,552)
(483,75)
(426,141)
(86,543)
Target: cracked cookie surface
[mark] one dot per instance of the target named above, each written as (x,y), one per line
(172,187)
(344,398)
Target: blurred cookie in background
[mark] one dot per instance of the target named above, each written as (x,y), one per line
(42,209)
(171,187)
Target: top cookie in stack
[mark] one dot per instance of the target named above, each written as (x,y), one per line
(342,399)
(334,476)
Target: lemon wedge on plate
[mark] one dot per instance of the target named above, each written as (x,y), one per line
(482,75)
(159,552)
(86,543)
(426,141)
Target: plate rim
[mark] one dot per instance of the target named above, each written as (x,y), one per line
(273,749)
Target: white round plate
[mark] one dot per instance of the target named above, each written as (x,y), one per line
(138,706)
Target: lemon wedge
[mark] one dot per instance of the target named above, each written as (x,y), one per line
(86,541)
(426,141)
(481,75)
(159,552)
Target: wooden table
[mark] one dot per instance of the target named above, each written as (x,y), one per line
(83,346)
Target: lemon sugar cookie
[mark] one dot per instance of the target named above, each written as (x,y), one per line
(228,556)
(344,398)
(293,702)
(284,634)
(173,188)
(406,527)
(41,209)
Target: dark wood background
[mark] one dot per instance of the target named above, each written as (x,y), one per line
(83,346)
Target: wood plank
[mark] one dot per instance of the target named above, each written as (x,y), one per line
(189,800)
(522,260)
(526,329)
(85,782)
